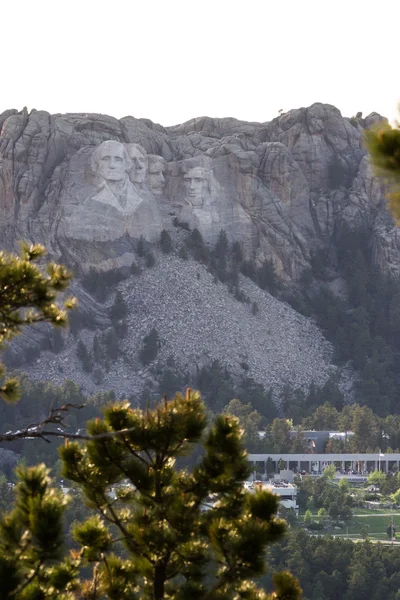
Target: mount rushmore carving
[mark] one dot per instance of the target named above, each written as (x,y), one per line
(88,186)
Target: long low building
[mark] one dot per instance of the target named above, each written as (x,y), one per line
(315,463)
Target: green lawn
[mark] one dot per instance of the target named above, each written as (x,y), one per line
(378,511)
(376,524)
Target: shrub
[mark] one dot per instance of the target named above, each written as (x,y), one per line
(372,497)
(240,295)
(315,526)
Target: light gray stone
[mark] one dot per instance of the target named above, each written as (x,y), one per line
(267,184)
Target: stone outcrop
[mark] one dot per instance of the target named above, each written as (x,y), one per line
(88,186)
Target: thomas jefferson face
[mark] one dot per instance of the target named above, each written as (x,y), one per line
(194,183)
(111,161)
(139,164)
(156,177)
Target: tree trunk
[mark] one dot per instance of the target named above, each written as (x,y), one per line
(159,581)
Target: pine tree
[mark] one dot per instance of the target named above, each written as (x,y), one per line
(28,296)
(220,255)
(171,381)
(383,143)
(249,269)
(98,350)
(32,561)
(84,356)
(111,343)
(150,347)
(196,245)
(98,376)
(119,309)
(57,341)
(150,260)
(140,248)
(266,277)
(237,253)
(166,242)
(135,269)
(222,245)
(298,443)
(183,253)
(174,547)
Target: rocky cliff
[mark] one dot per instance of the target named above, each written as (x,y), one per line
(86,185)
(89,186)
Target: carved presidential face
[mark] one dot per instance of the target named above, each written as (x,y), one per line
(111,161)
(195,180)
(139,164)
(156,177)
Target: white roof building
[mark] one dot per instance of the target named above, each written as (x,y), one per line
(287,492)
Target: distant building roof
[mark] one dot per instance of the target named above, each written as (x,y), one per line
(317,439)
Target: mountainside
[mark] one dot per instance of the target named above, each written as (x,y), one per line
(100,193)
(197,322)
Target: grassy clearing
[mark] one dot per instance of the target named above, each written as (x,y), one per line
(376,525)
(378,511)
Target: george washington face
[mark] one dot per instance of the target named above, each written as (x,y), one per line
(111,161)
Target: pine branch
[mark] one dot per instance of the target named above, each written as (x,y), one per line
(56,416)
(28,581)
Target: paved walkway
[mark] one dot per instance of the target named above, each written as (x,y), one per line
(378,514)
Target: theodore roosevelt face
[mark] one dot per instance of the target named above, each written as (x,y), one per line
(156,176)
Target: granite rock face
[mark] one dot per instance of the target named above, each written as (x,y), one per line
(88,186)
